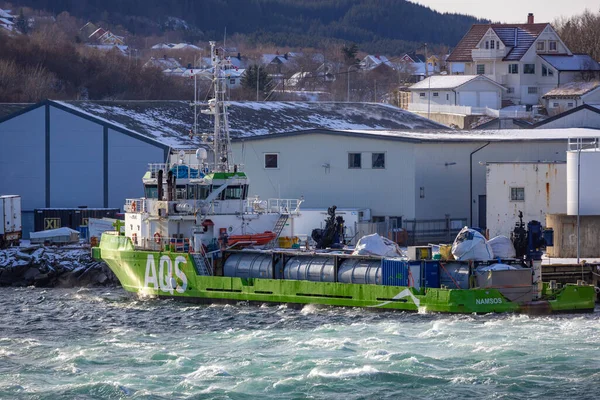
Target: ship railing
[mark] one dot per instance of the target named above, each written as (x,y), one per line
(181,171)
(284,206)
(135,205)
(158,243)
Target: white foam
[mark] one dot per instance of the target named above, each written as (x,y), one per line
(343,373)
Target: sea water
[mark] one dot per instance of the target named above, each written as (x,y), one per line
(106,344)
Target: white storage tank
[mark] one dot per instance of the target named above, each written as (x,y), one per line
(589,182)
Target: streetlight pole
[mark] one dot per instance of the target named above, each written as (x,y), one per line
(348,75)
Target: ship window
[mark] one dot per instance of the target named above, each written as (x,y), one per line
(517,194)
(378,160)
(197,192)
(180,192)
(354,160)
(272,160)
(151,191)
(234,193)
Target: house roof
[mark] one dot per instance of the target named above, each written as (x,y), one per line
(163,63)
(576,62)
(5,14)
(572,89)
(525,34)
(170,122)
(448,82)
(181,46)
(591,107)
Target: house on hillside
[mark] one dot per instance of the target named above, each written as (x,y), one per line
(524,58)
(163,63)
(371,62)
(445,93)
(434,64)
(413,58)
(571,95)
(7,20)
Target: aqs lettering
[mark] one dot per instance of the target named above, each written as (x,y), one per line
(168,278)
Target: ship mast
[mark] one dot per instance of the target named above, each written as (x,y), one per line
(218,107)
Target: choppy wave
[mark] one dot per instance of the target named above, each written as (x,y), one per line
(99,343)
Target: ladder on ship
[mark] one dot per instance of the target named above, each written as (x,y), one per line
(278,228)
(202,263)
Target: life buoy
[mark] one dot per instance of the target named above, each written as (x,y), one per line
(157,237)
(133,207)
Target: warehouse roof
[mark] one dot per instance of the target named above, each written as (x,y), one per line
(7,109)
(494,135)
(171,122)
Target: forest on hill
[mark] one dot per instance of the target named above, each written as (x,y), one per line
(377,26)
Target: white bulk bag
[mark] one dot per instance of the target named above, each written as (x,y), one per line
(471,245)
(502,247)
(378,246)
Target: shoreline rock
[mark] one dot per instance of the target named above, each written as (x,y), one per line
(53,266)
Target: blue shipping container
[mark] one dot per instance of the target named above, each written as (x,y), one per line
(394,272)
(431,274)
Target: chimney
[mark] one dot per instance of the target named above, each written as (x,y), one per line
(530,18)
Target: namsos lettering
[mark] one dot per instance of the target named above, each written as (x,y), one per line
(489,300)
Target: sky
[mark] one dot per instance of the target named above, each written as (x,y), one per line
(513,11)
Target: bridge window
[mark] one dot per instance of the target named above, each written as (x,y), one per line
(151,191)
(180,192)
(234,193)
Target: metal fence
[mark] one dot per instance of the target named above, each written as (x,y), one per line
(414,231)
(423,231)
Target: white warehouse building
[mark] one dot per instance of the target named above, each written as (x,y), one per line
(399,175)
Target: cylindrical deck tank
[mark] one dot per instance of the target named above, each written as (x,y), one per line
(313,268)
(355,270)
(248,265)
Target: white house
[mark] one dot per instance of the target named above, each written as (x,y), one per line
(516,56)
(533,188)
(571,95)
(438,91)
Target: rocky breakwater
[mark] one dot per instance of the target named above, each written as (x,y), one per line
(53,266)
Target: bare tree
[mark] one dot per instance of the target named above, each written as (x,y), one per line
(581,33)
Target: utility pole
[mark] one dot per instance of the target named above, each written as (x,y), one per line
(426,66)
(257,76)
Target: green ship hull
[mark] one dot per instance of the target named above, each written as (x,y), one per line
(174,274)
